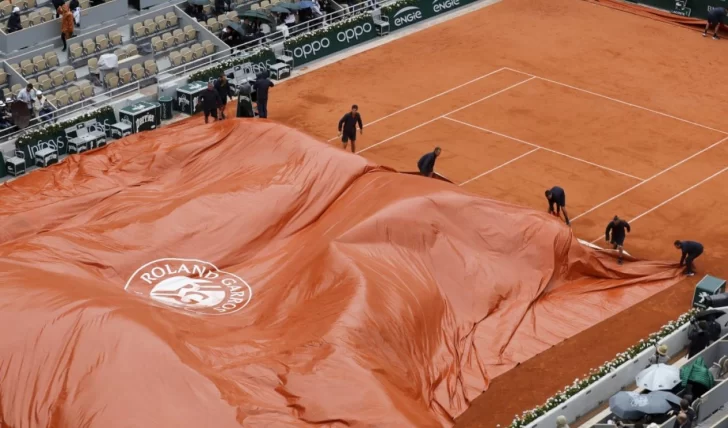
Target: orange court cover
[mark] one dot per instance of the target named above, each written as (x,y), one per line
(243,274)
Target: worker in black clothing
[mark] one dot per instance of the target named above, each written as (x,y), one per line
(426,164)
(211,102)
(261,85)
(557,196)
(347,127)
(222,86)
(715,18)
(691,250)
(618,229)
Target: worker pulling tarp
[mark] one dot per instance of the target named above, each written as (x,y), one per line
(244,274)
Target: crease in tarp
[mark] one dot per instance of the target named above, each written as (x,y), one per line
(378,298)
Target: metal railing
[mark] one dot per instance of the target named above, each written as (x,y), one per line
(247,49)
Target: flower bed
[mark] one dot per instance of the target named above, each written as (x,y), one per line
(595,374)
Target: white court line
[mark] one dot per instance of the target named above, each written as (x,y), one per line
(544,148)
(673,198)
(649,179)
(428,99)
(618,101)
(498,167)
(443,115)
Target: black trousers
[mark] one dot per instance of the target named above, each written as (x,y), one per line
(209,113)
(63,39)
(689,267)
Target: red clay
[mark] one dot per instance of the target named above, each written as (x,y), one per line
(604,147)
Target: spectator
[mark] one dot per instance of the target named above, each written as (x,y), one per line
(43,108)
(682,421)
(688,410)
(57,6)
(219,7)
(660,356)
(222,86)
(28,96)
(231,37)
(561,422)
(698,336)
(75,7)
(67,24)
(210,100)
(14,21)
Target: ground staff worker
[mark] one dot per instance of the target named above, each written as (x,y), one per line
(715,18)
(618,229)
(691,250)
(222,86)
(261,85)
(556,195)
(426,164)
(210,100)
(347,127)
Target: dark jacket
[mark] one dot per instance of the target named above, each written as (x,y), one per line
(261,85)
(426,164)
(617,229)
(210,100)
(74,5)
(348,123)
(14,23)
(224,89)
(690,248)
(699,340)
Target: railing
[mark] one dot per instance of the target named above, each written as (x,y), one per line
(115,95)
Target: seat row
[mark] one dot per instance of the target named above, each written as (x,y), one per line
(176,38)
(46,82)
(38,64)
(186,55)
(92,46)
(6,7)
(159,24)
(75,93)
(215,25)
(125,76)
(264,4)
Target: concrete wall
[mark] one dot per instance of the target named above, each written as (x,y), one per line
(103,13)
(29,54)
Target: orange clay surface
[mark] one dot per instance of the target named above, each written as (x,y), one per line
(628,114)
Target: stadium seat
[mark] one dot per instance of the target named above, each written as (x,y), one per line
(274,2)
(209,47)
(171,19)
(87,91)
(213,25)
(29,4)
(150,26)
(33,82)
(139,30)
(208,10)
(51,99)
(168,40)
(51,59)
(179,37)
(16,67)
(102,43)
(197,51)
(44,82)
(264,4)
(115,38)
(223,21)
(3,77)
(84,4)
(39,63)
(61,98)
(190,33)
(93,65)
(6,8)
(186,54)
(16,88)
(233,16)
(27,67)
(89,47)
(69,74)
(24,21)
(150,67)
(74,94)
(125,76)
(57,78)
(138,71)
(46,14)
(120,54)
(157,44)
(175,58)
(255,6)
(75,51)
(131,50)
(161,22)
(112,80)
(34,18)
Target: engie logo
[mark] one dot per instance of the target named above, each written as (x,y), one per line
(440,6)
(407,15)
(190,285)
(354,33)
(311,48)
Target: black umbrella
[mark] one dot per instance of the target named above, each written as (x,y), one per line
(291,6)
(279,9)
(709,314)
(256,14)
(632,405)
(237,27)
(198,2)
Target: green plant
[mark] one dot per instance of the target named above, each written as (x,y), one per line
(390,9)
(213,72)
(595,374)
(51,130)
(307,37)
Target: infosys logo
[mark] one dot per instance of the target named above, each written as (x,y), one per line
(440,6)
(348,36)
(407,15)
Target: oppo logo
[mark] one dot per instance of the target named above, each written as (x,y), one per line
(311,48)
(407,15)
(438,6)
(354,33)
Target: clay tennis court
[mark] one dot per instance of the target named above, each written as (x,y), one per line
(627,113)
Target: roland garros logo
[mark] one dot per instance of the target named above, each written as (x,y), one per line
(190,285)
